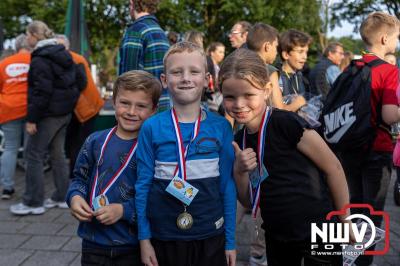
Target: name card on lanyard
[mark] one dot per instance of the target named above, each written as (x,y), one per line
(260,173)
(101,200)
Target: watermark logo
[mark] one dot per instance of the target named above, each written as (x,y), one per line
(364,230)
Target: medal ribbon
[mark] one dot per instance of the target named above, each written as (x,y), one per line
(117,173)
(255,193)
(182,151)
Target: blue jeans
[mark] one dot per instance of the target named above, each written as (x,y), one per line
(13,131)
(49,138)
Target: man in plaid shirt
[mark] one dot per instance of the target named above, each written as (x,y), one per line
(144,44)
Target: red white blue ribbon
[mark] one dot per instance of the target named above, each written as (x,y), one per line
(255,192)
(117,173)
(182,150)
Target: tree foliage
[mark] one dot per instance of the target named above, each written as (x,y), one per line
(355,11)
(216,17)
(107,19)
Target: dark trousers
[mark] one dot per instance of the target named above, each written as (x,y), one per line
(368,178)
(206,252)
(77,133)
(298,253)
(92,255)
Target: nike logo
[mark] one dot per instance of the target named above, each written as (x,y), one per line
(339,134)
(342,118)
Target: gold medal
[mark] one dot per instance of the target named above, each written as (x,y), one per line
(184,220)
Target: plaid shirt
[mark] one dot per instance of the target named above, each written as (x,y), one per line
(143,47)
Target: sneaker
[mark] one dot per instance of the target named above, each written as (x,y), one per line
(22,209)
(49,203)
(7,193)
(258,261)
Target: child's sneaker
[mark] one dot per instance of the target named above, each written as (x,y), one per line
(7,193)
(49,203)
(258,261)
(22,209)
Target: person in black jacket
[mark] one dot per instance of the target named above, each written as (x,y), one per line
(52,95)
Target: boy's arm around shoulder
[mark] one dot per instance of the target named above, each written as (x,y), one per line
(314,147)
(83,170)
(227,186)
(145,159)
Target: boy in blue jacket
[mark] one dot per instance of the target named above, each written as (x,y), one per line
(185,193)
(102,193)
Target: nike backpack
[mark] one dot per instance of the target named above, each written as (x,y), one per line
(346,115)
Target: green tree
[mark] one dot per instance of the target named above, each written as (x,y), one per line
(107,19)
(355,11)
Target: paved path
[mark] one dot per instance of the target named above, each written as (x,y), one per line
(50,239)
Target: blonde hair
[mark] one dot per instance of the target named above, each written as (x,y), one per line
(40,30)
(378,23)
(181,47)
(195,37)
(247,65)
(138,80)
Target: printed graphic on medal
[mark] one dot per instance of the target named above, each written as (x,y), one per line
(184,220)
(100,201)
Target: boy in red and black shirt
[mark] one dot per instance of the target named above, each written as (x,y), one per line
(368,173)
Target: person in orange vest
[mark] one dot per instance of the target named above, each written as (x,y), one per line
(13,109)
(88,106)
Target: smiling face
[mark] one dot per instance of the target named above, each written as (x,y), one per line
(185,77)
(132,108)
(244,102)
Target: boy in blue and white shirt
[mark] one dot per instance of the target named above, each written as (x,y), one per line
(101,195)
(186,149)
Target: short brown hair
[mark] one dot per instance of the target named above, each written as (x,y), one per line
(247,65)
(138,80)
(331,48)
(292,38)
(378,23)
(245,25)
(181,47)
(149,6)
(259,34)
(213,47)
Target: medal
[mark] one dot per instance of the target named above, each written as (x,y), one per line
(184,220)
(179,187)
(101,200)
(258,175)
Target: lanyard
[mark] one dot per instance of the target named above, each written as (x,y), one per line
(117,173)
(181,150)
(295,88)
(255,193)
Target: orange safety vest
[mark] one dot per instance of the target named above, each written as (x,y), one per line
(90,101)
(14,86)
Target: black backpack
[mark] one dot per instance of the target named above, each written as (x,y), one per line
(346,115)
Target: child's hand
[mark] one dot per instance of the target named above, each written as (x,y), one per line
(230,257)
(80,209)
(245,161)
(109,214)
(300,101)
(147,253)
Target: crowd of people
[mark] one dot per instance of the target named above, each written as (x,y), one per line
(200,140)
